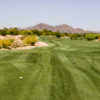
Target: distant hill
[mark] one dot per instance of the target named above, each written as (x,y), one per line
(60,28)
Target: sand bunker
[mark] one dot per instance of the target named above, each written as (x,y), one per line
(37,44)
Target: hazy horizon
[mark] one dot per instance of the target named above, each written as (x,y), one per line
(76,13)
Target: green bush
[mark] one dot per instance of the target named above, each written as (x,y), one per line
(13,31)
(36,32)
(58,35)
(3,31)
(26,32)
(91,36)
(30,40)
(74,36)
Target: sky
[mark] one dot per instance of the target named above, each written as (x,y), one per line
(24,13)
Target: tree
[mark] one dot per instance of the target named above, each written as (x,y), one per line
(90,36)
(3,31)
(36,32)
(13,31)
(58,35)
(26,32)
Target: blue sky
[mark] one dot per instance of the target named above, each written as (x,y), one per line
(77,13)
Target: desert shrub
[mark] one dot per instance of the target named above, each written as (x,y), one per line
(62,35)
(26,32)
(58,35)
(74,36)
(98,37)
(36,32)
(1,44)
(13,31)
(66,34)
(91,36)
(5,43)
(3,31)
(30,40)
(46,32)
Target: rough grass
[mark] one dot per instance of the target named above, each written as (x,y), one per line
(66,70)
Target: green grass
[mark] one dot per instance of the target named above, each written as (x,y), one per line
(66,70)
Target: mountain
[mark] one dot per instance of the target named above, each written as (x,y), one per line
(60,28)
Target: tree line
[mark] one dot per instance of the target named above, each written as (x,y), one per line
(16,31)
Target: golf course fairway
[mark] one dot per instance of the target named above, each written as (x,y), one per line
(65,70)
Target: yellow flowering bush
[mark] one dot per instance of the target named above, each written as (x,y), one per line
(1,43)
(5,43)
(30,40)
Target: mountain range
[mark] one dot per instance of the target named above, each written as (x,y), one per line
(58,28)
